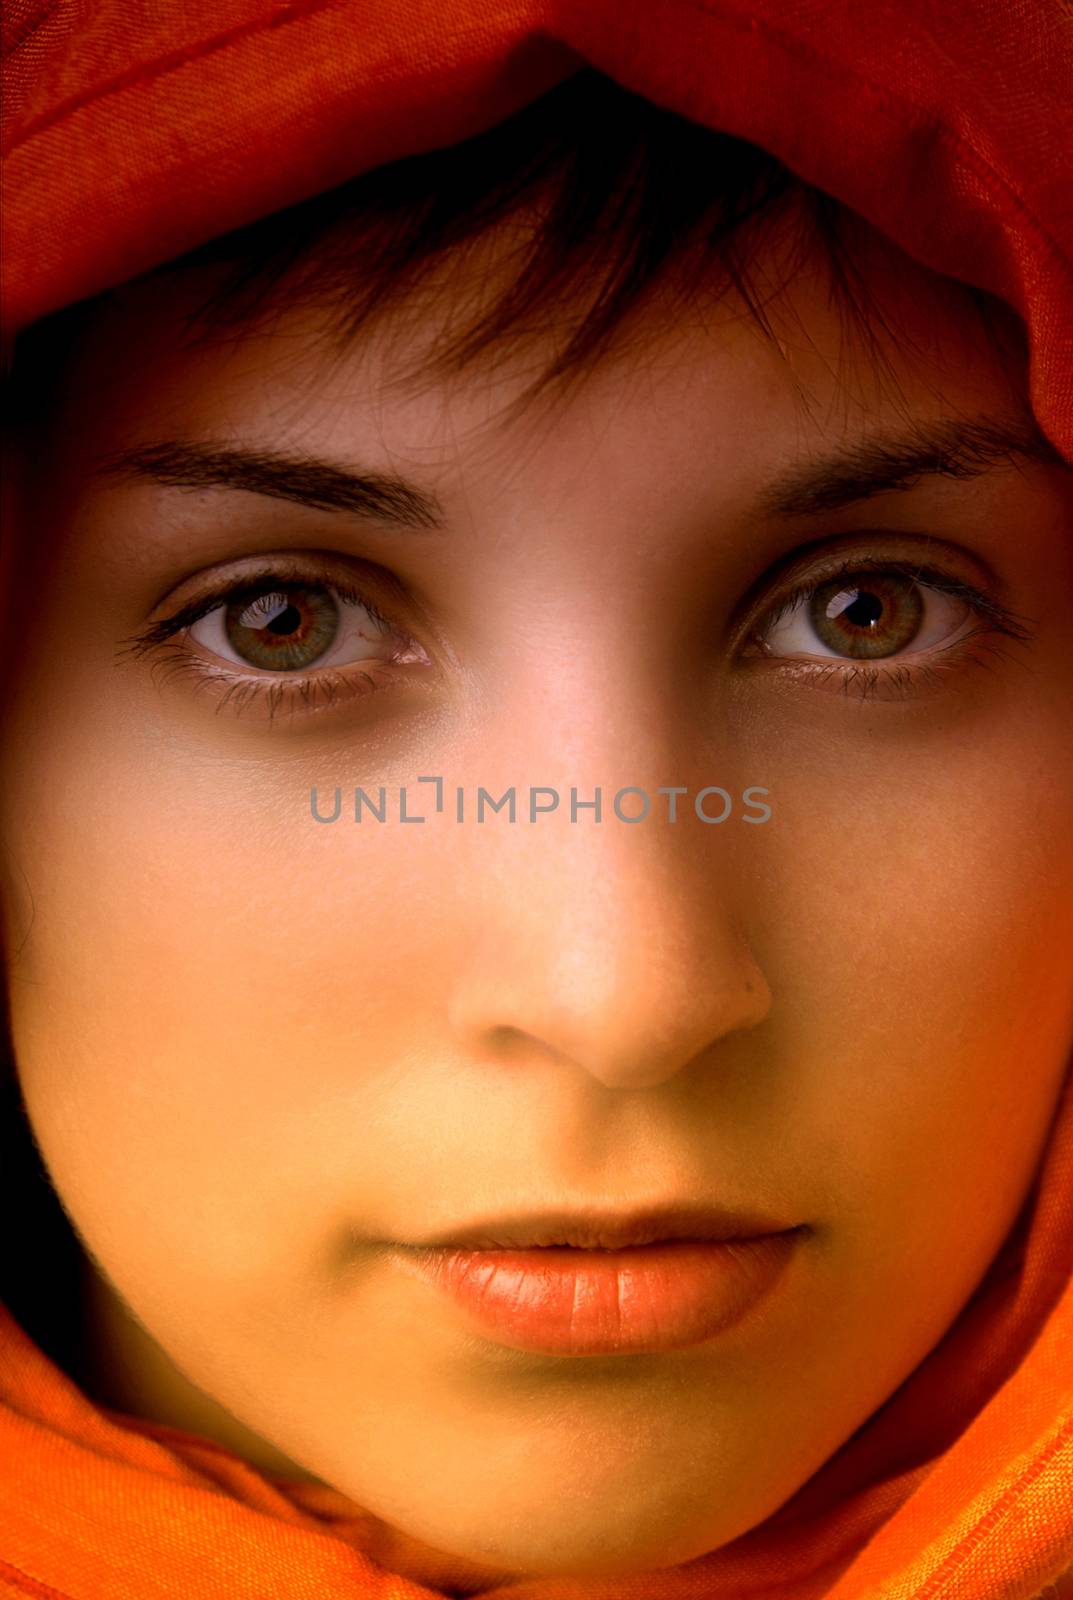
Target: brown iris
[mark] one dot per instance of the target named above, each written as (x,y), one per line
(867,614)
(288,626)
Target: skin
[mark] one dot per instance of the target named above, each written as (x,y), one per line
(309,1042)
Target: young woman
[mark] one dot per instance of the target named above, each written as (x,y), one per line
(536,799)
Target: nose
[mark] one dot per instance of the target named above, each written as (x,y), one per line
(618,949)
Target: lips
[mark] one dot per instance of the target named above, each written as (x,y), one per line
(572,1302)
(600,1283)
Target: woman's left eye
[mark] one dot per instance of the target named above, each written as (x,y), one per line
(866,616)
(296,626)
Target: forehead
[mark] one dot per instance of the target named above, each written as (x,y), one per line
(679,373)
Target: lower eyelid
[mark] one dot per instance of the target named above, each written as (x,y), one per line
(901,678)
(315,692)
(289,692)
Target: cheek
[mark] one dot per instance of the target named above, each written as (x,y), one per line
(207,977)
(924,997)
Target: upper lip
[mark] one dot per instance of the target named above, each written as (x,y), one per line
(592,1229)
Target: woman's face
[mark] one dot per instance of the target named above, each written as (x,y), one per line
(267,1056)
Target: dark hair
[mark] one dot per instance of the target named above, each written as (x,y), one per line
(618,196)
(41,1260)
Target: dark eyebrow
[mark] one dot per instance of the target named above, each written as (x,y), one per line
(948,448)
(189,464)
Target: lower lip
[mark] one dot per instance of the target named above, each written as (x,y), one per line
(562,1301)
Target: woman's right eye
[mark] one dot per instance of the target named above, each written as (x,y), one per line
(293,627)
(282,638)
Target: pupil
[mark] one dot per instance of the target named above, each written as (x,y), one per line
(285,621)
(863,610)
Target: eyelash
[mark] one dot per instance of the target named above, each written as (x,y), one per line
(296,693)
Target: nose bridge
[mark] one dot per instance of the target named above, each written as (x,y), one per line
(610,933)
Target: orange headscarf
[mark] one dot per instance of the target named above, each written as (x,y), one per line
(137,129)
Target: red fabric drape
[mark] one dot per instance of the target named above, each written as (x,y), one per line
(136,129)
